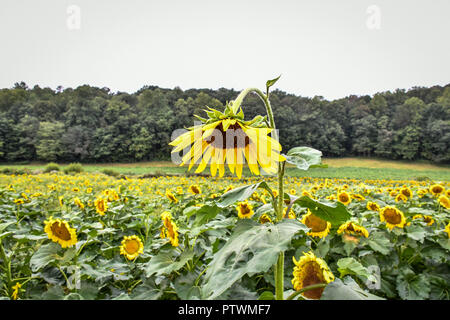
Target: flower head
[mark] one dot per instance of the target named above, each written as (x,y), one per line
(101,205)
(245,210)
(319,227)
(225,138)
(59,231)
(169,228)
(393,217)
(352,228)
(131,247)
(344,197)
(310,270)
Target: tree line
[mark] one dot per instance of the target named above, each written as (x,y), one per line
(91,124)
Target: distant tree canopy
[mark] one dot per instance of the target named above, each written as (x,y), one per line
(90,124)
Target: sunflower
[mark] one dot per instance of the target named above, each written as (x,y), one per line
(444,201)
(291,214)
(373,206)
(437,189)
(131,247)
(401,197)
(227,138)
(357,197)
(195,189)
(344,197)
(169,229)
(265,218)
(352,228)
(319,227)
(78,202)
(245,210)
(393,217)
(427,219)
(59,231)
(310,270)
(447,229)
(101,205)
(171,196)
(406,192)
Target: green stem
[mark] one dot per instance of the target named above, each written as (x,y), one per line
(7,266)
(311,287)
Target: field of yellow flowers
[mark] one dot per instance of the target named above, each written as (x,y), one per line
(92,236)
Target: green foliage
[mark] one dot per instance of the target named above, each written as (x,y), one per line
(89,124)
(74,168)
(51,167)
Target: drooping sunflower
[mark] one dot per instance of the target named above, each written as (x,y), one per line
(59,231)
(444,201)
(227,138)
(393,217)
(352,228)
(344,197)
(245,210)
(169,229)
(437,189)
(131,247)
(319,227)
(101,205)
(171,196)
(401,197)
(310,270)
(373,206)
(16,289)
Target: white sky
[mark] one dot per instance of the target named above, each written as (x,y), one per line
(321,47)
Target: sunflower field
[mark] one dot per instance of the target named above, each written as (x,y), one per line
(266,236)
(91,236)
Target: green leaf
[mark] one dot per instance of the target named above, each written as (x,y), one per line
(252,248)
(165,262)
(304,157)
(240,194)
(185,287)
(202,214)
(347,290)
(334,212)
(270,83)
(352,267)
(379,243)
(412,286)
(416,233)
(44,256)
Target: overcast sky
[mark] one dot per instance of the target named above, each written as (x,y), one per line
(324,47)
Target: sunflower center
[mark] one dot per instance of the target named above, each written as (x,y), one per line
(245,210)
(233,138)
(316,224)
(392,216)
(343,197)
(60,231)
(313,275)
(132,246)
(437,189)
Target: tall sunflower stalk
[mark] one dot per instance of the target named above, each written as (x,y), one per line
(225,138)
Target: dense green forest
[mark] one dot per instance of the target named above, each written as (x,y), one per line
(90,124)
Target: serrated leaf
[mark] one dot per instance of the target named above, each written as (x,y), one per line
(351,266)
(379,243)
(416,233)
(165,262)
(334,212)
(44,255)
(252,248)
(411,286)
